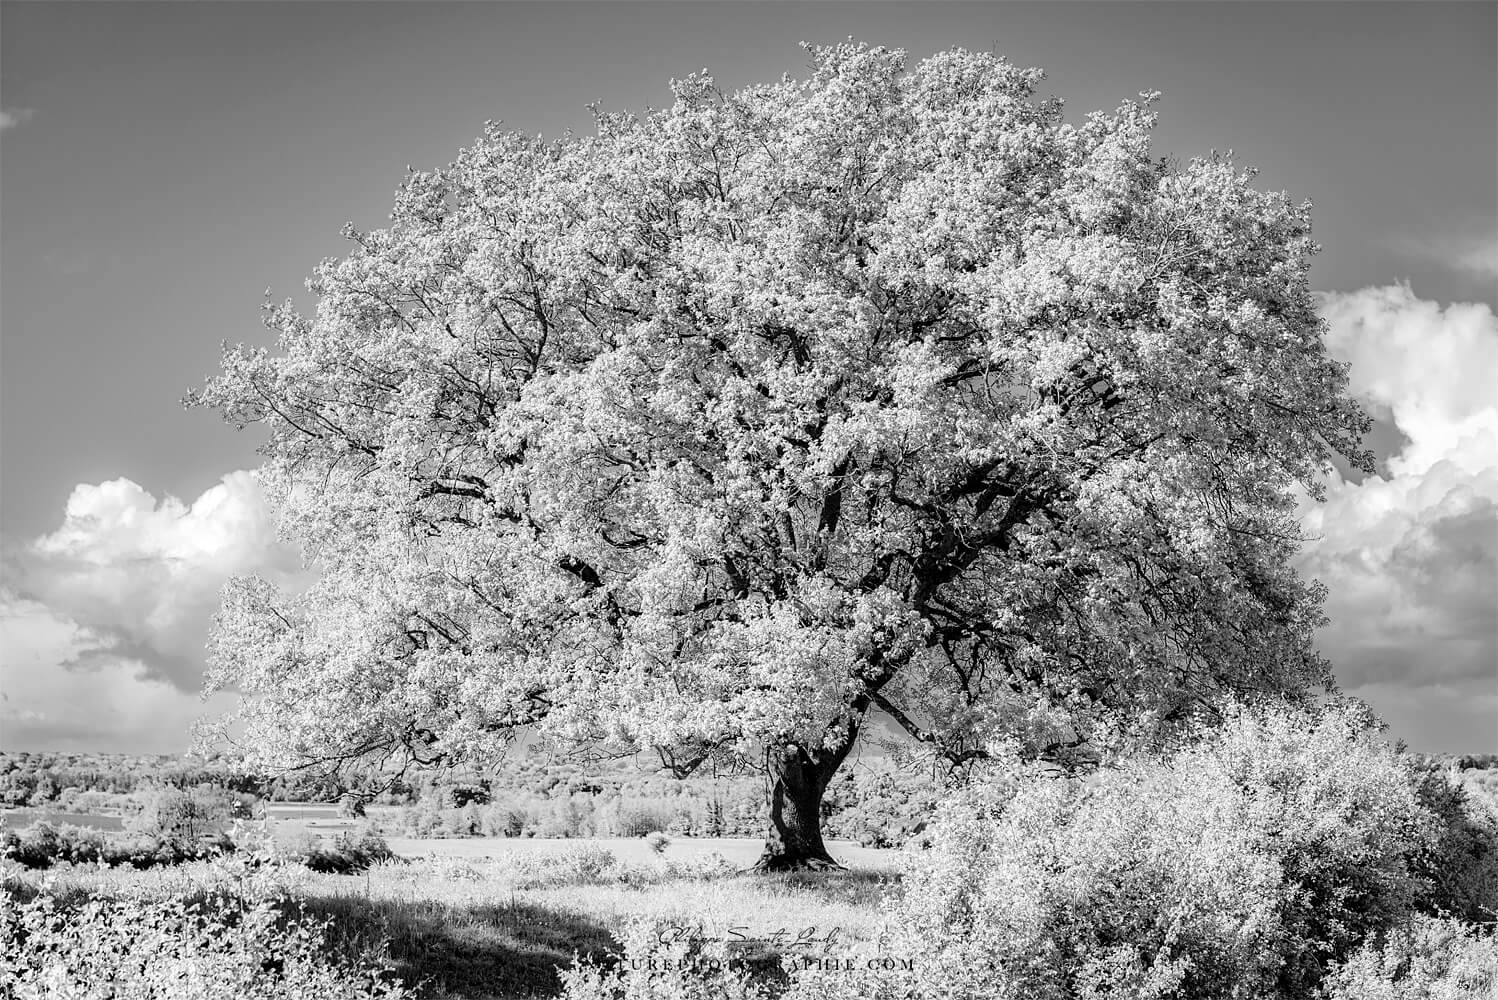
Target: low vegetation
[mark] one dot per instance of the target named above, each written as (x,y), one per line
(450,927)
(237,939)
(1290,855)
(875,803)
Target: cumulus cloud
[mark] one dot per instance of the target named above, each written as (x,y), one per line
(107,616)
(1410,556)
(142,576)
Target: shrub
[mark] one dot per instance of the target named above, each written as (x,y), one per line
(503,819)
(463,795)
(1241,867)
(221,948)
(42,845)
(182,815)
(95,801)
(712,825)
(880,804)
(1461,868)
(706,868)
(1429,959)
(638,817)
(423,821)
(460,821)
(348,852)
(36,846)
(658,841)
(586,864)
(565,818)
(683,821)
(244,806)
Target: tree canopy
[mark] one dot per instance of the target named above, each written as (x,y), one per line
(711,432)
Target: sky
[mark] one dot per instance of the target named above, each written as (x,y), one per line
(163,165)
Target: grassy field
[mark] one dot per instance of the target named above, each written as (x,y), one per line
(737,851)
(474,927)
(18,818)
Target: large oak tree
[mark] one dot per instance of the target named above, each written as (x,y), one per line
(714,432)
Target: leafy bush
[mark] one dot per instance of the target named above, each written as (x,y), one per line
(1461,868)
(565,805)
(95,801)
(181,815)
(1430,959)
(701,869)
(348,852)
(461,821)
(245,805)
(586,864)
(639,817)
(503,820)
(879,804)
(566,817)
(42,845)
(658,841)
(220,948)
(1242,867)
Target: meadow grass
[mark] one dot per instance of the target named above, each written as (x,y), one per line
(497,928)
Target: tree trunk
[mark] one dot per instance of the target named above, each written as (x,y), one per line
(794,841)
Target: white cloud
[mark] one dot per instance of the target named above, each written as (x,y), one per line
(1411,556)
(143,576)
(105,632)
(11,117)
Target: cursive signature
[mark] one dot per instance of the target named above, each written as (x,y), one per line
(780,937)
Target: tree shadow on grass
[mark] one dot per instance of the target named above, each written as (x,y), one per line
(510,949)
(857,887)
(483,951)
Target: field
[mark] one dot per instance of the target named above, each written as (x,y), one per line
(17,818)
(292,821)
(484,918)
(474,927)
(495,918)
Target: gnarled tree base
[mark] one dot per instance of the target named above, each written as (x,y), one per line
(793,862)
(793,842)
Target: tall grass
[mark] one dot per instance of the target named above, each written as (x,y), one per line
(482,929)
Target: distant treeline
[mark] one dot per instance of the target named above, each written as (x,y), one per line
(43,779)
(873,802)
(1460,761)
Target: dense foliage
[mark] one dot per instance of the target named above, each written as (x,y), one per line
(346,853)
(1247,867)
(221,946)
(708,433)
(85,782)
(42,845)
(1428,958)
(878,804)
